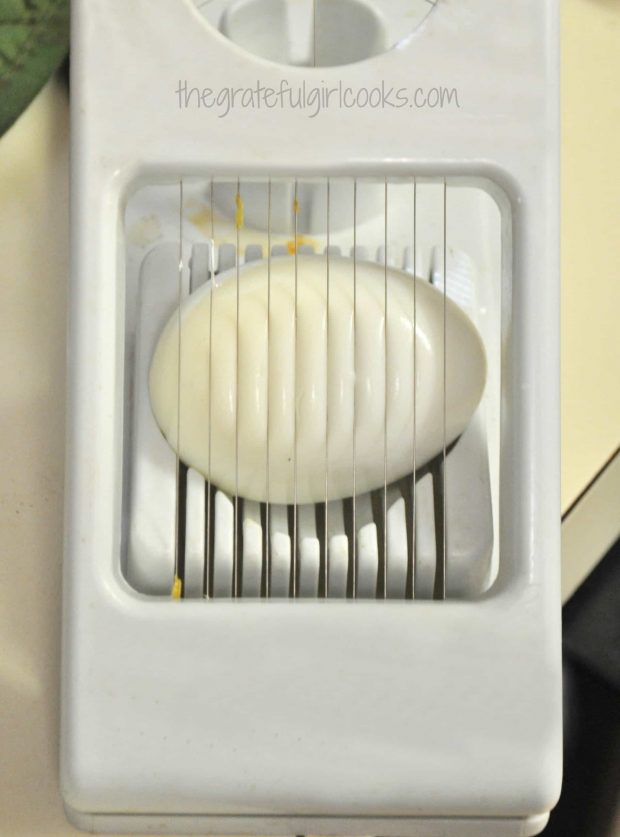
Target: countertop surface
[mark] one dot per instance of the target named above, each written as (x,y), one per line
(33,271)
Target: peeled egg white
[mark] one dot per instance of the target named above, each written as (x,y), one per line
(311,378)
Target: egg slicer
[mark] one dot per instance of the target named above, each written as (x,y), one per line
(312,529)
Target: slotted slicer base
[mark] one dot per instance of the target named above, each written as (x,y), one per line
(153,529)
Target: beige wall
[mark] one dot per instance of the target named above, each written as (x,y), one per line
(590,239)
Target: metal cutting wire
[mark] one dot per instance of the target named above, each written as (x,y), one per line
(238,225)
(415,382)
(442,590)
(208,556)
(327,290)
(295,405)
(385,385)
(268,462)
(177,586)
(355,384)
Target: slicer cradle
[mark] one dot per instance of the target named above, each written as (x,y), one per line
(469,515)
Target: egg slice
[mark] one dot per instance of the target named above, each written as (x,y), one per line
(298,382)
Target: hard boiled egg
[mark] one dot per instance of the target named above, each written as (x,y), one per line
(299,375)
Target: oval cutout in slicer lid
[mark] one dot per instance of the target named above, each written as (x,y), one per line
(316,33)
(297,401)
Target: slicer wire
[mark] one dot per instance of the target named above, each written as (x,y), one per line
(442,580)
(268,469)
(385,384)
(211,268)
(355,385)
(415,383)
(295,406)
(177,586)
(327,289)
(238,225)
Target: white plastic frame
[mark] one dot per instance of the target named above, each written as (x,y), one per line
(391,719)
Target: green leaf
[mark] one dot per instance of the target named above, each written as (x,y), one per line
(34,39)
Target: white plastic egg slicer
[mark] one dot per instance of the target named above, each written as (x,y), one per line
(312,523)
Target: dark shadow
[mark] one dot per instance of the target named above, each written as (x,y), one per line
(590,801)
